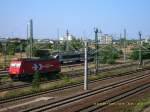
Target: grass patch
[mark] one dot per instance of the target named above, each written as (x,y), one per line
(5,79)
(44,87)
(141,105)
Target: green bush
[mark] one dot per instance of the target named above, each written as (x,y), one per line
(36,81)
(135,54)
(66,79)
(109,55)
(145,52)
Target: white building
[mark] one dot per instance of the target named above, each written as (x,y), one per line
(147,40)
(65,38)
(105,39)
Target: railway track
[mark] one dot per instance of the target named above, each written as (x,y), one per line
(73,74)
(6,100)
(81,101)
(116,98)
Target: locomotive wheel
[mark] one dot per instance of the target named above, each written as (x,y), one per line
(24,77)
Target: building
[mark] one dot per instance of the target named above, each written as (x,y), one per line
(44,41)
(105,39)
(65,38)
(16,39)
(147,40)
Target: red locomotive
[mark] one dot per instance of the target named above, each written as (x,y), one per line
(21,67)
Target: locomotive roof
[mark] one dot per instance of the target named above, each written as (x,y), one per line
(68,53)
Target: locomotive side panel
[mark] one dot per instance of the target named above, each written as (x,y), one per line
(45,66)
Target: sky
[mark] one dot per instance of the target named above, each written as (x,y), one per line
(80,17)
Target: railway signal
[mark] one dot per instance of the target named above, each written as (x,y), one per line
(140,51)
(96,47)
(67,44)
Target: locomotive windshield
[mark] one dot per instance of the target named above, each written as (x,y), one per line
(15,64)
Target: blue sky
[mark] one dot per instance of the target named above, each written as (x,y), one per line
(78,16)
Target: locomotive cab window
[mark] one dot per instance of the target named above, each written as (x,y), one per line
(15,64)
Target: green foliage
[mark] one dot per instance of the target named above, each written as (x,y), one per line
(128,42)
(135,54)
(145,52)
(11,48)
(76,44)
(109,55)
(73,45)
(43,45)
(41,53)
(39,50)
(62,46)
(65,78)
(4,79)
(36,80)
(1,47)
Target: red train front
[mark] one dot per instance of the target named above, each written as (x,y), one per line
(20,67)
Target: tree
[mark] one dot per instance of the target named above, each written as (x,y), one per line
(39,50)
(73,45)
(109,55)
(76,44)
(145,52)
(11,47)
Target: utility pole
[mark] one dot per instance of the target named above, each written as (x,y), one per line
(67,46)
(112,48)
(28,38)
(124,45)
(120,41)
(96,47)
(140,51)
(85,68)
(31,38)
(58,46)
